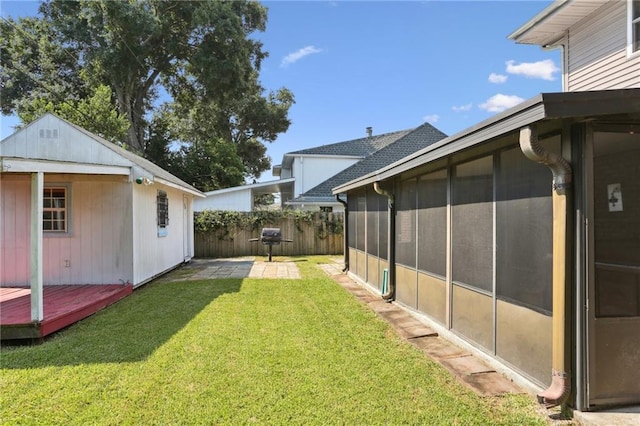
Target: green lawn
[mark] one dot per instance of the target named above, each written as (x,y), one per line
(240,352)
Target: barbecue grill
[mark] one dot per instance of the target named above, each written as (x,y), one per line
(271,237)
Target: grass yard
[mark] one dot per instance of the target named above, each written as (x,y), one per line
(240,352)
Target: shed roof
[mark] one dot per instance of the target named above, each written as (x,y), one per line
(411,142)
(66,157)
(545,106)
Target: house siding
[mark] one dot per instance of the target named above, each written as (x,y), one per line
(15,213)
(51,139)
(312,171)
(154,254)
(240,201)
(597,52)
(97,248)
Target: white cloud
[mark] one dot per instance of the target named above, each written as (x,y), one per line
(500,102)
(432,118)
(462,108)
(299,54)
(497,78)
(541,69)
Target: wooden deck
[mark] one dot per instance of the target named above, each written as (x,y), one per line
(63,306)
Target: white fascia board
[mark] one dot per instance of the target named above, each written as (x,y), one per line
(22,165)
(179,187)
(536,20)
(330,157)
(270,185)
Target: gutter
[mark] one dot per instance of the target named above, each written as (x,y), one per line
(560,387)
(345,245)
(548,11)
(391,247)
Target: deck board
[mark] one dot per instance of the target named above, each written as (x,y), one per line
(63,306)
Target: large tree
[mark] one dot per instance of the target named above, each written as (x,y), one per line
(201,55)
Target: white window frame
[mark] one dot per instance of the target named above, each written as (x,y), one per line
(633,27)
(47,194)
(162,214)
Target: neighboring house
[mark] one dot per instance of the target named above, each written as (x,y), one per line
(520,237)
(310,167)
(299,172)
(77,209)
(239,198)
(411,142)
(600,40)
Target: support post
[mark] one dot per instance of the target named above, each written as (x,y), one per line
(36,282)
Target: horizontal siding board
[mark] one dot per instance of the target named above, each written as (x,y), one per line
(598,35)
(597,57)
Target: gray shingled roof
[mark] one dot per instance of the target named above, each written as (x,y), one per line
(415,140)
(361,147)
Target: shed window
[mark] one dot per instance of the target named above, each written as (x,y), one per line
(55,213)
(634,26)
(163,212)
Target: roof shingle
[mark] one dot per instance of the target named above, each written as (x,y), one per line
(361,147)
(411,142)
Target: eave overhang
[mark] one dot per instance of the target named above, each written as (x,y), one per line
(546,106)
(551,24)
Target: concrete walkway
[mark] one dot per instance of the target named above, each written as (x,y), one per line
(625,416)
(241,267)
(478,376)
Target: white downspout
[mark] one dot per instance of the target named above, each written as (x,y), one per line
(391,246)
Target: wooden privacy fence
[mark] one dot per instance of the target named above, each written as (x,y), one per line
(227,234)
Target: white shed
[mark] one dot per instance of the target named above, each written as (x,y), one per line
(77,209)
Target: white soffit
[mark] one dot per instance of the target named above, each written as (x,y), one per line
(551,24)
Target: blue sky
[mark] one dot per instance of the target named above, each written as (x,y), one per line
(391,65)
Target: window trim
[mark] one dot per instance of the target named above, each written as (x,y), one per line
(67,210)
(633,25)
(162,214)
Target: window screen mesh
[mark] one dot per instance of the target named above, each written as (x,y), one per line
(524,233)
(472,224)
(383,223)
(432,223)
(406,224)
(373,226)
(352,204)
(360,221)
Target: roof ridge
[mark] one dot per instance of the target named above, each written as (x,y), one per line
(348,141)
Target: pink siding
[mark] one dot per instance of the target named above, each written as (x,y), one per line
(99,246)
(15,213)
